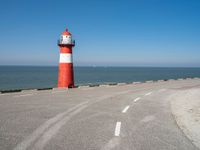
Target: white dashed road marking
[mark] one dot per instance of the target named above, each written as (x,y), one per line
(137,99)
(125,109)
(117,128)
(148,94)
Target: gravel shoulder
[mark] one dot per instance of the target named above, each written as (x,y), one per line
(185,106)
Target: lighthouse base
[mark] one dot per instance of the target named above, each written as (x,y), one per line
(66,75)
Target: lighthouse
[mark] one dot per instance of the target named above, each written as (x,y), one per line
(66,73)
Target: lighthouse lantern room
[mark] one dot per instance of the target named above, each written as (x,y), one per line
(66,39)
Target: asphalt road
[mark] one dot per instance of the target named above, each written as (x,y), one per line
(120,117)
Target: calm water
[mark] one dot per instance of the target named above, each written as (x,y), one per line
(40,77)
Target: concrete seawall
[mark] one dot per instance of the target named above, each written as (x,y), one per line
(120,116)
(91,85)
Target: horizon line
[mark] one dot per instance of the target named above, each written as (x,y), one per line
(96,66)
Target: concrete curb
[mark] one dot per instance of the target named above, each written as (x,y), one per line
(10,91)
(92,85)
(121,84)
(180,79)
(103,85)
(29,90)
(60,89)
(171,80)
(112,84)
(150,81)
(44,89)
(83,86)
(160,80)
(136,82)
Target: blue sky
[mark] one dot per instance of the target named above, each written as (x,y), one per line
(107,32)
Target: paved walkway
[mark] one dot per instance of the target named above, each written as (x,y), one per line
(120,117)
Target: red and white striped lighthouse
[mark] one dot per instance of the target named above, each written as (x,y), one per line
(66,73)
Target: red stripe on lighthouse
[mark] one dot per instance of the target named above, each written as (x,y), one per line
(66,49)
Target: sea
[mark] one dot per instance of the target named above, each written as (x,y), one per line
(30,77)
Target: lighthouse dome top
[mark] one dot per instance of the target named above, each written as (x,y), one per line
(66,32)
(66,39)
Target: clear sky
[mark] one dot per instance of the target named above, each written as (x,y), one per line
(107,32)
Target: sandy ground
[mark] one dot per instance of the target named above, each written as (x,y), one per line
(186,109)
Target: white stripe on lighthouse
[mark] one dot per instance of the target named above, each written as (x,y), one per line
(65,58)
